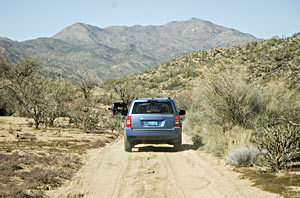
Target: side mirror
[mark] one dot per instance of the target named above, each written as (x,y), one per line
(109,109)
(182,112)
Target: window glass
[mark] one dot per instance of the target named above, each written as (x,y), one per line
(152,107)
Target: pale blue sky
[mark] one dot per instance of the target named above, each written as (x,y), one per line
(28,19)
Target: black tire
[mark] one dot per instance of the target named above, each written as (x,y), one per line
(177,144)
(127,145)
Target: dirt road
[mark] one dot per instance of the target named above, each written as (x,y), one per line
(156,172)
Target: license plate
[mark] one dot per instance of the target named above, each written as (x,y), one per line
(152,123)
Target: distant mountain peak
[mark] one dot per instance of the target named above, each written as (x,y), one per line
(119,50)
(77,23)
(78,33)
(81,25)
(196,19)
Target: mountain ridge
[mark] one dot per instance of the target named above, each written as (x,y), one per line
(115,51)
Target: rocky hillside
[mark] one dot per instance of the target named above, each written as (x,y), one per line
(82,50)
(274,60)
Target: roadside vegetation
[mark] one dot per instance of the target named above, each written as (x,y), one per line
(63,120)
(26,92)
(33,161)
(242,102)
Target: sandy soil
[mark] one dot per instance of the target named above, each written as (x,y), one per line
(13,127)
(156,172)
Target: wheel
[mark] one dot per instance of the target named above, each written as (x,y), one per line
(127,145)
(177,144)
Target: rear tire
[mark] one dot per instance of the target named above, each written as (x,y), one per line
(127,145)
(177,145)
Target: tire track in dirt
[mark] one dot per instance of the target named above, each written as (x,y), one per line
(156,171)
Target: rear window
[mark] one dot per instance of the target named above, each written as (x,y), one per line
(152,107)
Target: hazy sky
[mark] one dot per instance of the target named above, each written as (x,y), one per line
(28,19)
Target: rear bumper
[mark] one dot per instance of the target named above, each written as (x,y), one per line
(151,136)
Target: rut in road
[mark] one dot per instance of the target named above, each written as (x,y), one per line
(156,171)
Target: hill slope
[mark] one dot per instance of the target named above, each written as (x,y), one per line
(274,60)
(83,50)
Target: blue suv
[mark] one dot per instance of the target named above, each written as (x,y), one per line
(153,121)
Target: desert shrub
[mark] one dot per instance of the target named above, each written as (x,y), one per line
(190,73)
(220,142)
(98,143)
(61,94)
(283,105)
(113,122)
(38,176)
(90,119)
(122,89)
(228,114)
(224,111)
(83,111)
(27,175)
(106,99)
(183,100)
(7,102)
(231,100)
(158,79)
(197,140)
(280,145)
(194,119)
(243,156)
(173,84)
(152,85)
(30,124)
(13,190)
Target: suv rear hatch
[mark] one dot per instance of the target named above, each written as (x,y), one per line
(152,115)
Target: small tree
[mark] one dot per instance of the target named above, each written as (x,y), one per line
(36,98)
(114,122)
(123,89)
(62,93)
(83,110)
(86,88)
(28,87)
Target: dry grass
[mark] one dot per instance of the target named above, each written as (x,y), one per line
(34,161)
(34,173)
(220,142)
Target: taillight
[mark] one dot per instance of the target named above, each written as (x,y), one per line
(177,121)
(128,121)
